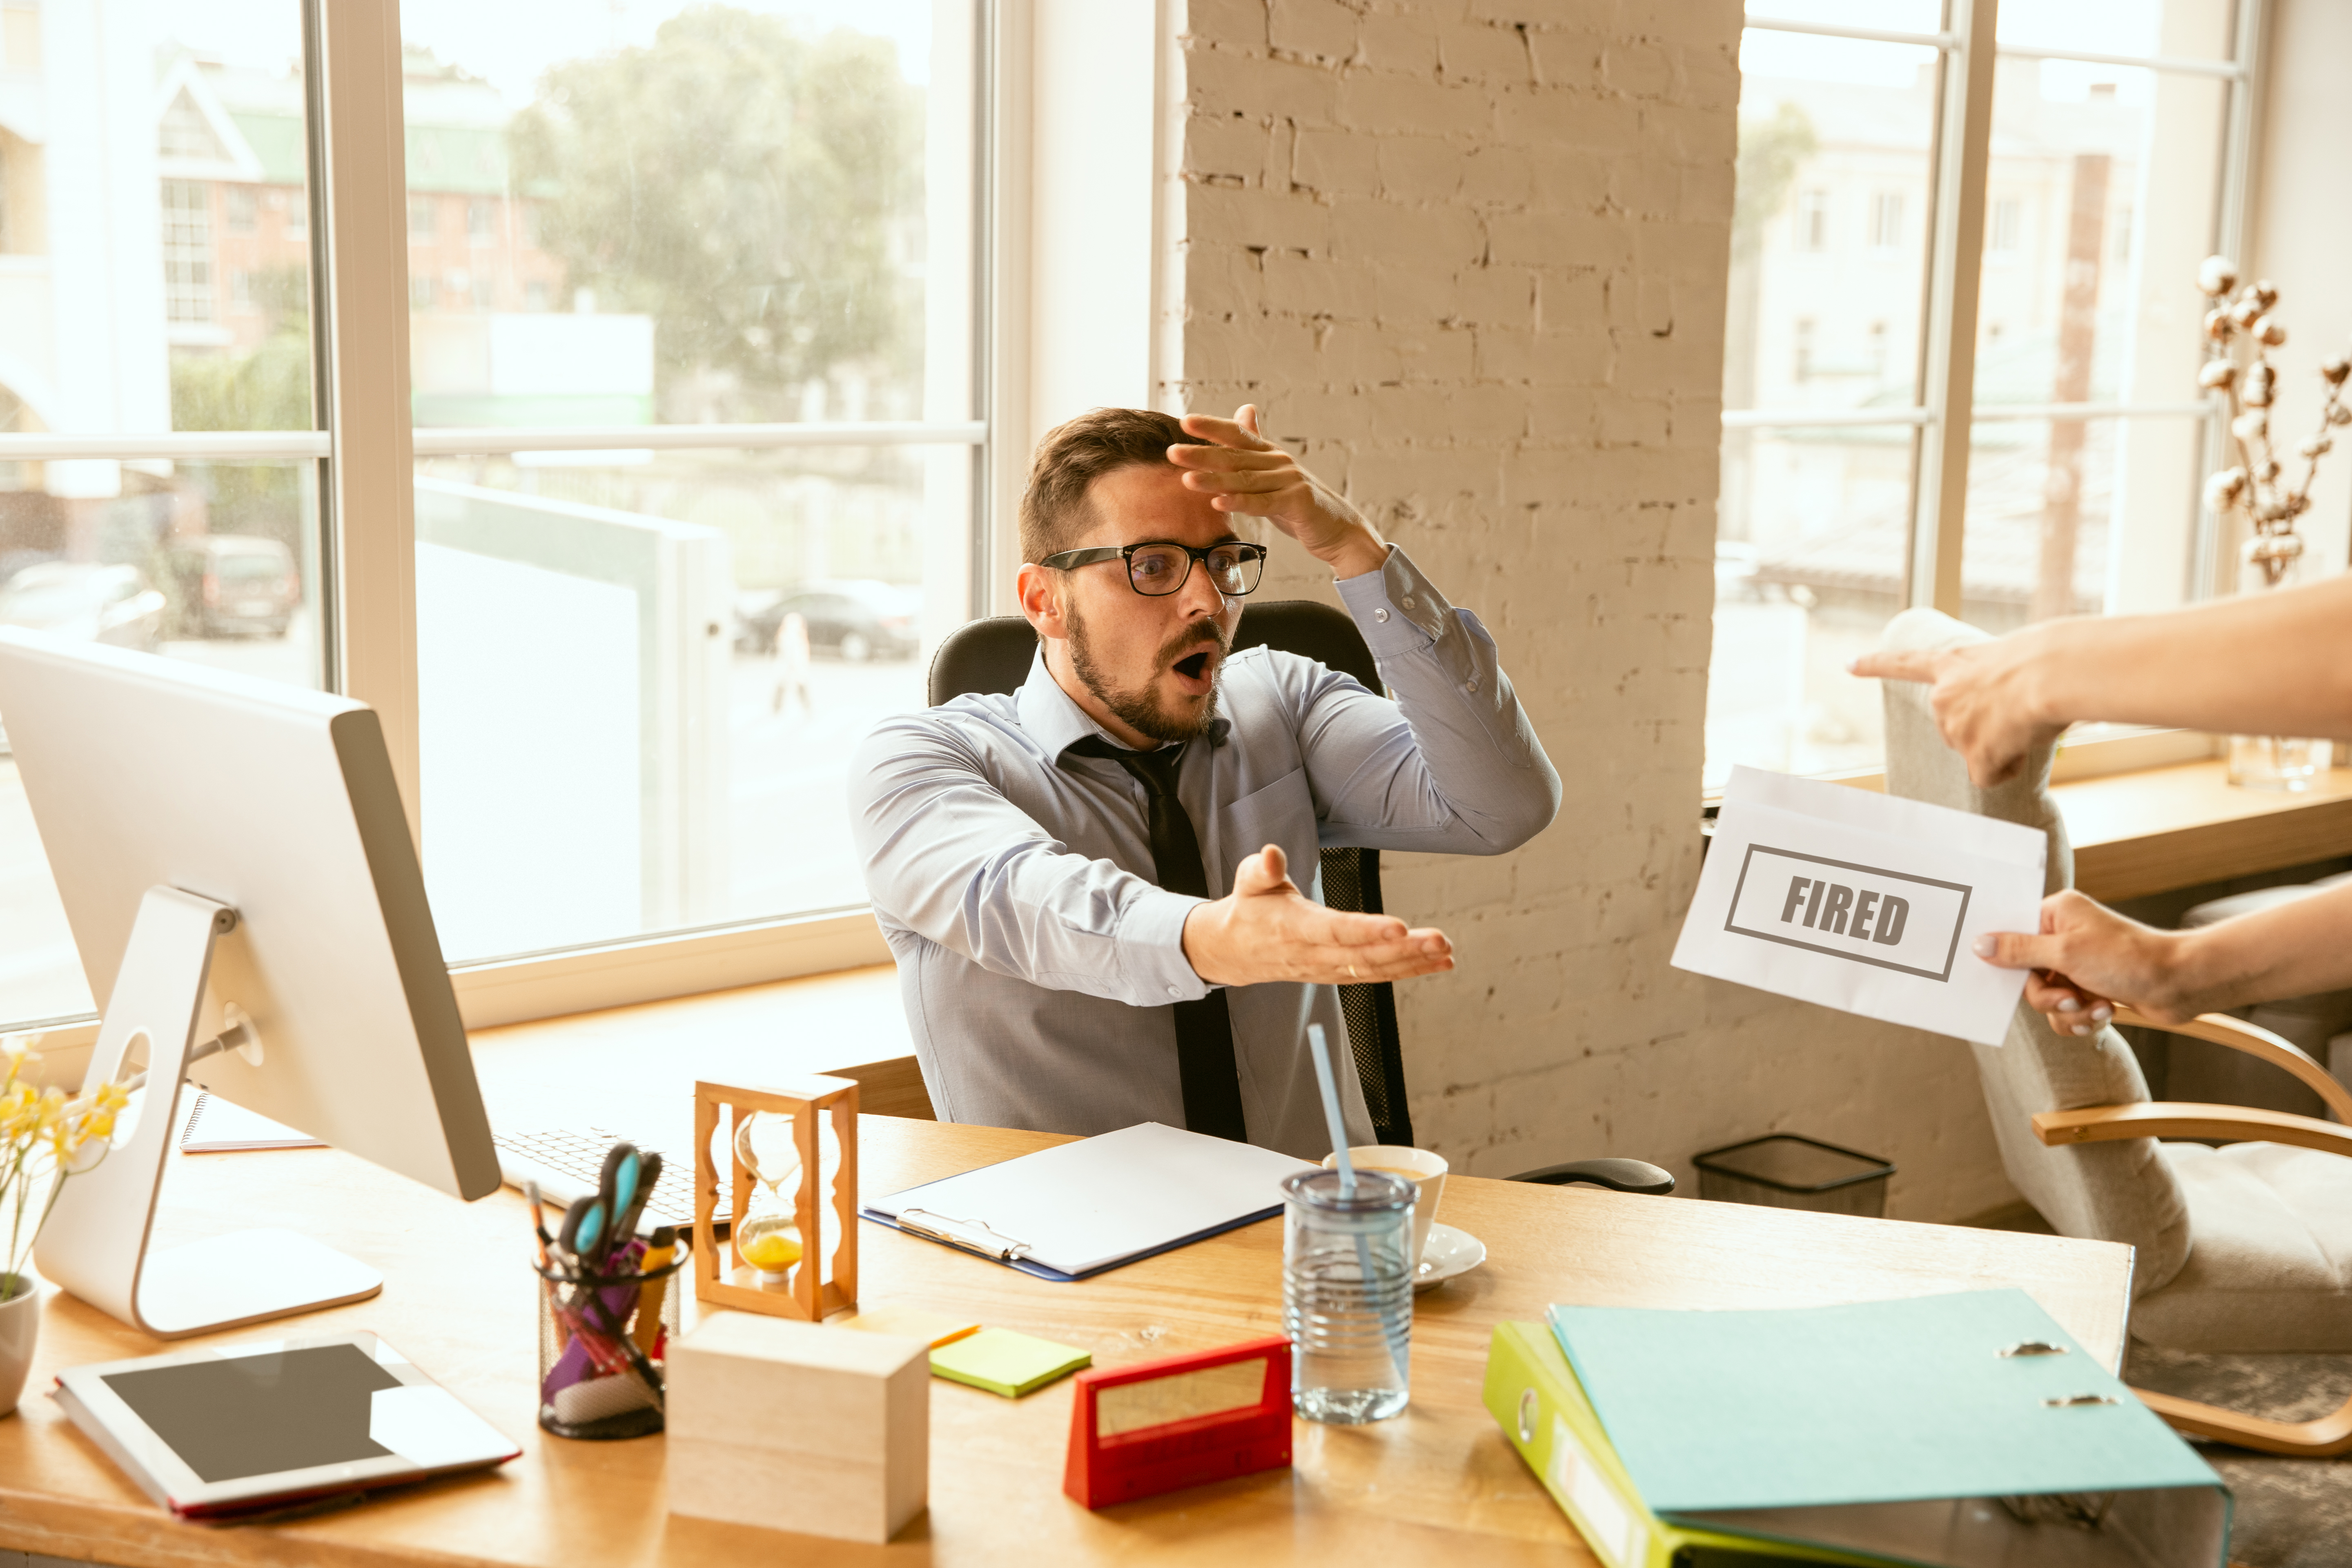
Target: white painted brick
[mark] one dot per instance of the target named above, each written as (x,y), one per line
(1639,69)
(1400,43)
(1485,52)
(1314,30)
(1470,256)
(1420,169)
(1338,162)
(1370,102)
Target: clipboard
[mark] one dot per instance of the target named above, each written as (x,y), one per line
(1076,1210)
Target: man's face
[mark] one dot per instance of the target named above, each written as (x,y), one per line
(1152,661)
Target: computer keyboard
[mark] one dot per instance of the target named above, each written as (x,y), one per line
(567,1163)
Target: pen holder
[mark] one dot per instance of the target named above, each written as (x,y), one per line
(602,1340)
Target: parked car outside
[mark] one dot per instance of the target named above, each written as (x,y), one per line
(855,618)
(231,585)
(87,601)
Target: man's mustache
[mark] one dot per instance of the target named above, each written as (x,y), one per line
(1208,632)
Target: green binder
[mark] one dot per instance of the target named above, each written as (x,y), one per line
(1531,1390)
(1946,1431)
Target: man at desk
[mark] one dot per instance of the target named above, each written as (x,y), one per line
(1088,883)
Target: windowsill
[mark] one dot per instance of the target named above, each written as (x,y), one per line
(2157,829)
(606,1069)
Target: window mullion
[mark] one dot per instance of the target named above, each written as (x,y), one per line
(1964,143)
(2208,543)
(373,569)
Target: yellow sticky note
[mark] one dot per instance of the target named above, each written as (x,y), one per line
(1002,1361)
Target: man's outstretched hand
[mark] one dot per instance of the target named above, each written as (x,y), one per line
(1265,928)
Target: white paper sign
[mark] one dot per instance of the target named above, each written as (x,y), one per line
(1863,902)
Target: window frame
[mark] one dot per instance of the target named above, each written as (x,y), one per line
(1959,212)
(365,447)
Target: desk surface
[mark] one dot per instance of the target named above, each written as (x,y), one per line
(2156,829)
(1436,1484)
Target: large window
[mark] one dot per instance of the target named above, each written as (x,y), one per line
(1876,453)
(158,460)
(692,361)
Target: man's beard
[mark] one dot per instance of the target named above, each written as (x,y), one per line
(1142,711)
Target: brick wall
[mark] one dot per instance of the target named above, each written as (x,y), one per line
(1469,255)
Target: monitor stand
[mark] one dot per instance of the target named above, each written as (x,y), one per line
(95,1242)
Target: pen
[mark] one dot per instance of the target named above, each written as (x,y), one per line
(648,1327)
(537,1225)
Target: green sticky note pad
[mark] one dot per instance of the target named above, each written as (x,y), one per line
(1002,1361)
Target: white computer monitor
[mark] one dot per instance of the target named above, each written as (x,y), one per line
(230,849)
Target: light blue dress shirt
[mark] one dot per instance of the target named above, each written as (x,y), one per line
(1037,957)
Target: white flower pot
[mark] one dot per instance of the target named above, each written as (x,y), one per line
(20,1326)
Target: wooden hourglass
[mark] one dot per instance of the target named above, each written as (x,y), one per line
(805,1100)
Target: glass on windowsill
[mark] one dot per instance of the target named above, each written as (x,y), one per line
(2291,764)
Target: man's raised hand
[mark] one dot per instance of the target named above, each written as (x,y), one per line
(1265,928)
(1244,472)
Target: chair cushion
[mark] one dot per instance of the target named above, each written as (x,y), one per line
(2270,1254)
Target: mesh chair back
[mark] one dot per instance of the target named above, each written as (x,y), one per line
(993,655)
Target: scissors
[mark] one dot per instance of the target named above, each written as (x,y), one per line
(591,1225)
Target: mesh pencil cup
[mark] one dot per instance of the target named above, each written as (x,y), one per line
(602,1340)
(1347,1295)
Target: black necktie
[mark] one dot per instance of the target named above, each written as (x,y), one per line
(1204,1034)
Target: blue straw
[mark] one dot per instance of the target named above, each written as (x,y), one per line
(1321,1051)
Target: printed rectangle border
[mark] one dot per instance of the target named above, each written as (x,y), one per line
(1950,956)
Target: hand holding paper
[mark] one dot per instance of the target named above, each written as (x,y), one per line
(1865,903)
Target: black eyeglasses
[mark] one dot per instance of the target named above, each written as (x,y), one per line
(1163,568)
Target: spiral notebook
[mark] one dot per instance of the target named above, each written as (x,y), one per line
(1078,1209)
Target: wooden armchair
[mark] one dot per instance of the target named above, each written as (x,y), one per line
(2246,1248)
(2329,1435)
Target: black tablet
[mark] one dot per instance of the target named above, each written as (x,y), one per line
(234,1428)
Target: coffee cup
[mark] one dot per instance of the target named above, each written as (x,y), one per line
(1425,1170)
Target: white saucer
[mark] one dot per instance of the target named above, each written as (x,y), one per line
(1450,1252)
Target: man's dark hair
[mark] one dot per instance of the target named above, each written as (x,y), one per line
(1072,456)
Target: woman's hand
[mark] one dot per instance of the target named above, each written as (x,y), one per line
(2086,958)
(1987,699)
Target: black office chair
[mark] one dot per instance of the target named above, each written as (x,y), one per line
(993,655)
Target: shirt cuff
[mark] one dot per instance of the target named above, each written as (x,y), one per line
(1151,944)
(1395,608)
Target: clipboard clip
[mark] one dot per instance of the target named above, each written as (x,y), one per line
(971,1235)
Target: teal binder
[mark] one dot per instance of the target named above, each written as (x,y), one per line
(1948,1431)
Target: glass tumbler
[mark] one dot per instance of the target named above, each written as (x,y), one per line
(1347,1295)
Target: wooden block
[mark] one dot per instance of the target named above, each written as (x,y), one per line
(793,1425)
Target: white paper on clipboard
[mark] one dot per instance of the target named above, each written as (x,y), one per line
(1863,902)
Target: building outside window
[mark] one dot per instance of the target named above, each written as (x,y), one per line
(1813,220)
(612,739)
(1841,497)
(2003,233)
(187,251)
(1885,220)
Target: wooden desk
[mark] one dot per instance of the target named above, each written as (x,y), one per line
(2161,828)
(1438,1484)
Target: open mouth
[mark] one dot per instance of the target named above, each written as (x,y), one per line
(1196,671)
